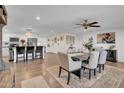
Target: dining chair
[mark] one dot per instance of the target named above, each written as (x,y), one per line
(93,61)
(102,60)
(67,64)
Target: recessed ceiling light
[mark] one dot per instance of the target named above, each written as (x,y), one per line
(28,29)
(37,18)
(52,31)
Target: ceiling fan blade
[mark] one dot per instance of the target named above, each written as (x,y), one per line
(78,24)
(76,27)
(95,26)
(93,23)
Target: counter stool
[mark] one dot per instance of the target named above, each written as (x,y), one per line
(20,51)
(38,51)
(30,50)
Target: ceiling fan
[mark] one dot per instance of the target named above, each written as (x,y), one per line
(85,24)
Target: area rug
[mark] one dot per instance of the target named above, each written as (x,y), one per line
(111,77)
(36,82)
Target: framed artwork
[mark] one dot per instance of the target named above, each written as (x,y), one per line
(67,39)
(73,39)
(70,39)
(48,45)
(61,38)
(55,40)
(48,40)
(106,38)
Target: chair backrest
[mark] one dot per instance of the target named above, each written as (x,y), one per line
(63,58)
(30,49)
(102,57)
(39,49)
(71,55)
(74,63)
(93,61)
(20,50)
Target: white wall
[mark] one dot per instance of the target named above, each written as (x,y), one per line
(119,41)
(6,36)
(60,46)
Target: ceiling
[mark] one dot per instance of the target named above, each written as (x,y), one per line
(56,19)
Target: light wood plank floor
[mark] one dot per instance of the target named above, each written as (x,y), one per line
(37,67)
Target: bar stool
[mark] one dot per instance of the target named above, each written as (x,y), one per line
(30,50)
(20,51)
(38,51)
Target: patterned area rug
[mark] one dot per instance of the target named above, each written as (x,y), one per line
(109,78)
(37,82)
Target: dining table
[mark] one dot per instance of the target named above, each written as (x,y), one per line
(82,57)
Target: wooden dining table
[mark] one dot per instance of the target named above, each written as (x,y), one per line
(82,57)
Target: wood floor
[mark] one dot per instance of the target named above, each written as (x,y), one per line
(30,69)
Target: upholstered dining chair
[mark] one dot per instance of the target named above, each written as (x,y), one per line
(93,61)
(67,64)
(102,60)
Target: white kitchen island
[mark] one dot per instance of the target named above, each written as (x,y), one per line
(15,54)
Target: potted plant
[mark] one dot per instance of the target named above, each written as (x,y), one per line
(22,41)
(89,44)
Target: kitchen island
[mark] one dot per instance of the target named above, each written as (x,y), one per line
(19,54)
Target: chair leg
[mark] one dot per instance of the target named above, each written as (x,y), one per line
(80,74)
(68,77)
(103,67)
(36,55)
(94,72)
(33,56)
(84,68)
(59,71)
(89,74)
(40,55)
(24,57)
(16,57)
(99,68)
(14,81)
